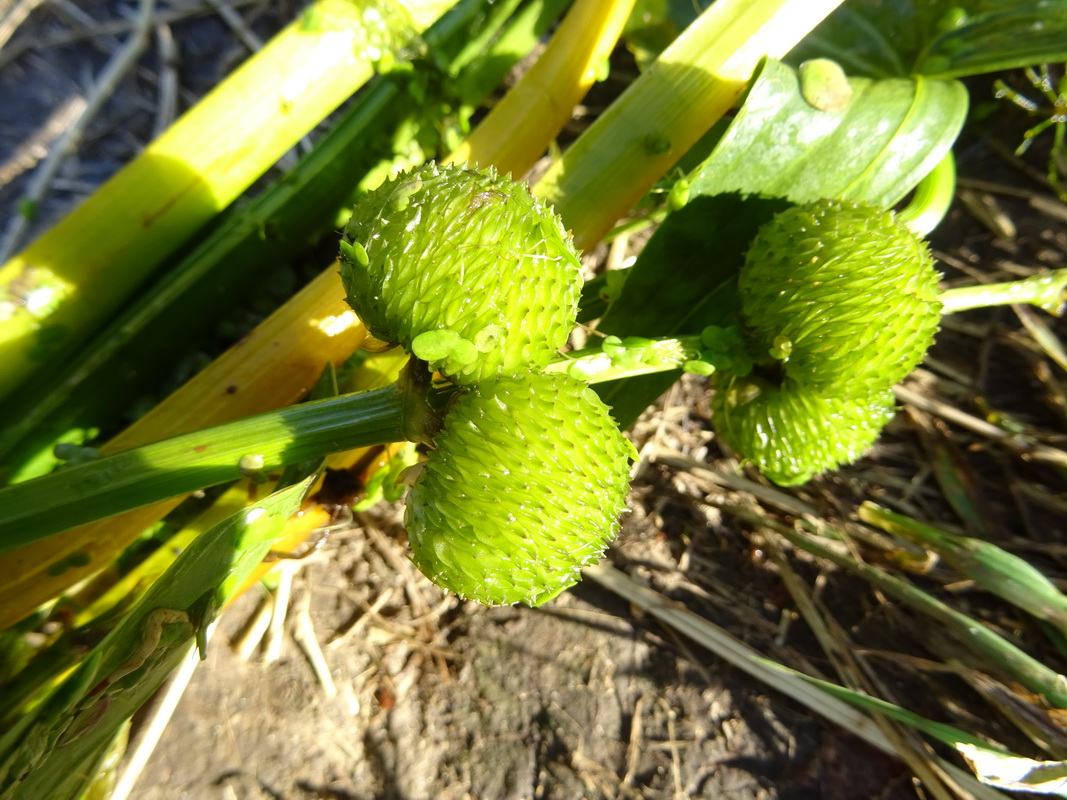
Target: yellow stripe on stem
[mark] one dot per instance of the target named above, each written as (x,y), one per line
(70,279)
(547,93)
(692,84)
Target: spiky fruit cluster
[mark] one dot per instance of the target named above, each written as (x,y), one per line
(528,473)
(843,294)
(524,487)
(839,301)
(465,269)
(793,433)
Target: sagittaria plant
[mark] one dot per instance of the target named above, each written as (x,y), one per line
(478,279)
(681,305)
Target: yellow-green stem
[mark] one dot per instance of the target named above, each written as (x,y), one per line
(585,39)
(65,283)
(687,89)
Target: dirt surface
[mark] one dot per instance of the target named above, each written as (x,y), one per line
(437,698)
(429,697)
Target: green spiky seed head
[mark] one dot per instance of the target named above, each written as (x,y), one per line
(841,294)
(465,269)
(793,433)
(524,488)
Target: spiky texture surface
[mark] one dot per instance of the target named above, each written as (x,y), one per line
(847,289)
(793,433)
(452,249)
(525,487)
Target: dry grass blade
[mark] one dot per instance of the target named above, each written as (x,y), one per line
(750,661)
(14,15)
(835,643)
(120,64)
(971,633)
(1029,450)
(989,566)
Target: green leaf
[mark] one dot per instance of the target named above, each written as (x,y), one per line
(683,281)
(109,485)
(939,38)
(778,146)
(53,751)
(891,134)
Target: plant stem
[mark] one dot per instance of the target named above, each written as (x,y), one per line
(96,489)
(74,276)
(669,107)
(628,358)
(933,197)
(1047,291)
(586,38)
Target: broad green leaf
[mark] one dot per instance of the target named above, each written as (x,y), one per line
(891,134)
(779,146)
(939,38)
(55,748)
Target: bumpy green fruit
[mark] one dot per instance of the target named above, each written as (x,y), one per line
(841,293)
(463,268)
(792,432)
(525,487)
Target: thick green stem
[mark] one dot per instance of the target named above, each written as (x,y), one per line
(1047,290)
(98,488)
(669,107)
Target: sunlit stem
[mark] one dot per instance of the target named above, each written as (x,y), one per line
(1047,291)
(932,199)
(628,358)
(692,84)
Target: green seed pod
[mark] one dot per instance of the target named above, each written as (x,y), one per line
(525,487)
(463,268)
(793,433)
(842,295)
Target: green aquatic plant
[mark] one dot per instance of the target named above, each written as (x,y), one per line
(463,268)
(524,488)
(838,302)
